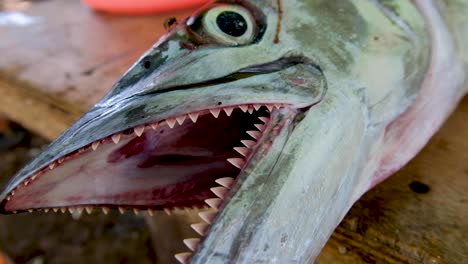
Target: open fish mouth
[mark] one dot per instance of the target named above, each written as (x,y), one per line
(184,161)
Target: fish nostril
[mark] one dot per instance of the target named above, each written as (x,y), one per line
(147,64)
(419,187)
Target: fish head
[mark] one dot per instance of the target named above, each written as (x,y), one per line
(272,112)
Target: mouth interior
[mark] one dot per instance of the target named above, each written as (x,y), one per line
(163,167)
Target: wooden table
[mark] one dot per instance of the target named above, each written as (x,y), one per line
(56,68)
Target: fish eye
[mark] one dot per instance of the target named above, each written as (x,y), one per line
(230,25)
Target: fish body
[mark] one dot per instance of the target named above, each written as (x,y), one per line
(345,93)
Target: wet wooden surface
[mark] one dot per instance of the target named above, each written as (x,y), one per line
(54,69)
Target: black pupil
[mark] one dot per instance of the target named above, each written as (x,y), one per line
(232,23)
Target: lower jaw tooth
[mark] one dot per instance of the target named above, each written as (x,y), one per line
(254,134)
(248,143)
(183,257)
(221,192)
(150,212)
(192,243)
(167,211)
(105,210)
(226,182)
(200,228)
(214,202)
(264,119)
(239,163)
(260,127)
(208,216)
(89,209)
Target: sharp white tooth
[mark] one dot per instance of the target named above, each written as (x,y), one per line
(215,112)
(52,165)
(121,210)
(79,209)
(248,143)
(34,177)
(255,134)
(228,110)
(46,210)
(214,202)
(116,138)
(105,210)
(278,106)
(269,107)
(200,228)
(154,126)
(183,257)
(150,212)
(260,127)
(71,210)
(244,108)
(226,182)
(136,211)
(26,183)
(12,193)
(208,216)
(167,211)
(193,117)
(171,122)
(63,210)
(192,243)
(60,160)
(89,209)
(139,130)
(15,212)
(181,119)
(243,151)
(221,192)
(30,210)
(55,210)
(95,145)
(256,106)
(264,119)
(239,163)
(250,109)
(8,198)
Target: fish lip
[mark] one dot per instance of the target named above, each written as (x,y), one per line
(277,65)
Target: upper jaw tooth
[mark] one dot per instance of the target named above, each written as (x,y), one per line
(193,117)
(244,108)
(139,130)
(180,119)
(215,112)
(116,138)
(171,122)
(228,110)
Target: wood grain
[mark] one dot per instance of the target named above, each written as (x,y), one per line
(55,69)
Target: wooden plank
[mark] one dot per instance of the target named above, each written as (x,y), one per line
(55,69)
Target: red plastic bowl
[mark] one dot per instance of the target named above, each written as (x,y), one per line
(142,6)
